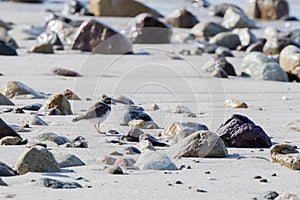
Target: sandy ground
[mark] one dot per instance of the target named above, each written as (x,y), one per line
(153,78)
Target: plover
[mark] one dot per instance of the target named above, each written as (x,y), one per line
(97,113)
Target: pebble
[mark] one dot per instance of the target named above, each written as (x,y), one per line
(55,184)
(270,195)
(257,177)
(201,190)
(178,182)
(264,180)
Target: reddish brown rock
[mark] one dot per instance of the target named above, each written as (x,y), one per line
(65,72)
(94,36)
(241,132)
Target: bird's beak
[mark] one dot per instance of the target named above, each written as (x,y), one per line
(113,102)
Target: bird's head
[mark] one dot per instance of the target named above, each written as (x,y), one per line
(107,100)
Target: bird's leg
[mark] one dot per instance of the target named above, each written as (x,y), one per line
(96,127)
(100,132)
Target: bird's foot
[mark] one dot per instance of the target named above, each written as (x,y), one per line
(101,132)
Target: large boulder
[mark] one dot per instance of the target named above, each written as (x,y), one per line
(267,9)
(226,39)
(259,66)
(60,102)
(182,18)
(147,29)
(94,36)
(152,160)
(120,8)
(206,30)
(241,132)
(234,18)
(199,144)
(16,89)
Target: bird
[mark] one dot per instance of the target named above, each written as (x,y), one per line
(97,113)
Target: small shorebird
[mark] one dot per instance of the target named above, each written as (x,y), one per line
(97,113)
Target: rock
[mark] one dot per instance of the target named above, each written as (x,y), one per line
(96,37)
(152,160)
(133,135)
(239,131)
(232,103)
(4,101)
(60,102)
(115,169)
(2,183)
(116,153)
(5,170)
(33,144)
(36,160)
(53,111)
(120,8)
(224,51)
(75,7)
(286,155)
(180,109)
(125,162)
(146,29)
(29,1)
(52,137)
(7,50)
(287,196)
(6,130)
(226,39)
(5,25)
(12,89)
(32,107)
(108,160)
(71,95)
(133,114)
(56,184)
(45,48)
(294,125)
(275,41)
(65,72)
(181,18)
(5,37)
(245,35)
(234,18)
(270,195)
(180,130)
(221,8)
(10,140)
(18,111)
(289,58)
(68,160)
(153,140)
(258,66)
(205,47)
(151,107)
(78,142)
(257,46)
(199,144)
(50,38)
(36,120)
(145,145)
(123,100)
(132,150)
(219,73)
(64,31)
(206,30)
(219,62)
(139,123)
(267,9)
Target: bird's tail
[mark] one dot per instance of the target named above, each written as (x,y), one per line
(76,119)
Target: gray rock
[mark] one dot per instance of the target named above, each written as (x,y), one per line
(5,37)
(132,150)
(235,18)
(133,114)
(245,35)
(5,170)
(226,39)
(219,62)
(199,144)
(133,135)
(64,31)
(153,140)
(152,160)
(36,159)
(182,18)
(258,66)
(6,130)
(50,38)
(75,7)
(52,137)
(36,120)
(5,101)
(145,145)
(7,50)
(224,51)
(12,89)
(206,30)
(56,184)
(68,160)
(180,109)
(2,183)
(221,8)
(270,195)
(4,25)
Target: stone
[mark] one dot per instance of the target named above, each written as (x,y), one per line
(60,102)
(234,18)
(180,109)
(7,50)
(246,36)
(5,37)
(65,72)
(239,131)
(29,1)
(132,150)
(154,141)
(151,107)
(224,51)
(182,18)
(287,196)
(120,8)
(199,144)
(5,25)
(220,73)
(2,183)
(226,39)
(289,58)
(270,195)
(145,145)
(133,135)
(78,142)
(275,41)
(232,103)
(257,46)
(4,101)
(259,66)
(206,30)
(36,120)
(64,30)
(181,130)
(125,162)
(294,125)
(75,7)
(44,48)
(221,8)
(286,155)
(52,137)
(108,160)
(36,159)
(114,169)
(50,38)
(5,170)
(13,89)
(6,130)
(10,140)
(267,9)
(32,107)
(153,160)
(56,184)
(146,29)
(138,123)
(94,36)
(133,114)
(68,160)
(218,62)
(71,95)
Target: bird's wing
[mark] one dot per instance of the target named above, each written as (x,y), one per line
(97,110)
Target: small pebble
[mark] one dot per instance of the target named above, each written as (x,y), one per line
(264,180)
(201,190)
(189,167)
(257,177)
(285,98)
(208,172)
(211,178)
(182,167)
(178,182)
(274,174)
(170,184)
(260,150)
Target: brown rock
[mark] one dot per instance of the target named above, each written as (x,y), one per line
(138,123)
(181,18)
(133,135)
(206,30)
(5,130)
(289,58)
(42,48)
(286,155)
(257,46)
(267,9)
(60,102)
(232,103)
(71,95)
(120,8)
(13,89)
(93,36)
(10,140)
(125,162)
(65,72)
(115,169)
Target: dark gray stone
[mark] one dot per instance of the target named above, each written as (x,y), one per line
(56,184)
